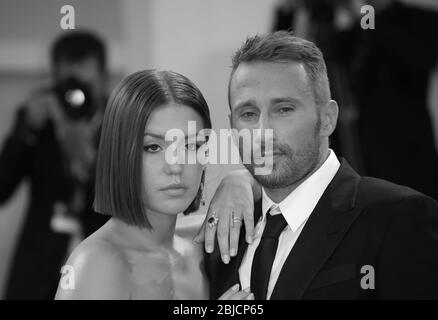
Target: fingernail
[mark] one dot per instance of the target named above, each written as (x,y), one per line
(209,249)
(235,287)
(249,239)
(225,258)
(233,252)
(247,290)
(250,297)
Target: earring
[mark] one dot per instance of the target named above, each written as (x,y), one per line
(201,200)
(202,194)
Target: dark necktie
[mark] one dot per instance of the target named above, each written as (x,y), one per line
(265,253)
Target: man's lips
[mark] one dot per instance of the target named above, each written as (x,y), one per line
(273,153)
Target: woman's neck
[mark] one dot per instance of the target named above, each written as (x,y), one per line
(163,228)
(160,235)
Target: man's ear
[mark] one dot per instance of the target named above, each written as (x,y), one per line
(329,118)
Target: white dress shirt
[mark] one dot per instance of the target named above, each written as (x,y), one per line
(296,209)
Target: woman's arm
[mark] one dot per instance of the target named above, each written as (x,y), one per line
(234,197)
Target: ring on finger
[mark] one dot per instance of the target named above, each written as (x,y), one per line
(235,219)
(213,220)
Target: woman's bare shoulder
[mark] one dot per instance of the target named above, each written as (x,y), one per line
(97,269)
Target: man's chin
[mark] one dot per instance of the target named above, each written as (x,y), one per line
(274,180)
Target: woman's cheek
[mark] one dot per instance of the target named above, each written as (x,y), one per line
(151,173)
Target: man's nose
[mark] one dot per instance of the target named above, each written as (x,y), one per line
(264,128)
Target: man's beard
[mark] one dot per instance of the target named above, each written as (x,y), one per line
(292,165)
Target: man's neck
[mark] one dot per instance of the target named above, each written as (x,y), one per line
(277,195)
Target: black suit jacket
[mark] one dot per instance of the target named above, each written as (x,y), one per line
(360,224)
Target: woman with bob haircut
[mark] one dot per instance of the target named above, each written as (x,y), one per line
(136,254)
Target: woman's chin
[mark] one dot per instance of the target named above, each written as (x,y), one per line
(173,206)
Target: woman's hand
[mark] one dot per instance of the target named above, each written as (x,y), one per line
(234,294)
(232,202)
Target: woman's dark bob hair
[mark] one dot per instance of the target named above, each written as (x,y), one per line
(118,189)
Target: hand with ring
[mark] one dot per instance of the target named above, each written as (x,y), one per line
(231,206)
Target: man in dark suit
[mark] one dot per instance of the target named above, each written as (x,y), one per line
(323,231)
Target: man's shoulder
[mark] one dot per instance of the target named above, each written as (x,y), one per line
(376,190)
(378,193)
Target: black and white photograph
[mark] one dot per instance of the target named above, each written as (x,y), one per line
(235,151)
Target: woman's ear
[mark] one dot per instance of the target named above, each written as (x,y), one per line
(329,118)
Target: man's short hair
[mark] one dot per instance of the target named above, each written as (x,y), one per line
(284,47)
(76,46)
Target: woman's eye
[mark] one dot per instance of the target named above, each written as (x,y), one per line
(192,146)
(152,148)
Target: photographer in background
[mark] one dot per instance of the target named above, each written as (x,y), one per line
(53,144)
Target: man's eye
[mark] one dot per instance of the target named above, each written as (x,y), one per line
(152,148)
(248,115)
(284,110)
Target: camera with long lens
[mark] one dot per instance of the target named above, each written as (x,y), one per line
(75,99)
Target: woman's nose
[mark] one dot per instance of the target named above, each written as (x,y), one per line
(175,169)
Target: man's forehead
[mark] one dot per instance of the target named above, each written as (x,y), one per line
(85,60)
(281,80)
(269,74)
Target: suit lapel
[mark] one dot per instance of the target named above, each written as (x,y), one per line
(325,228)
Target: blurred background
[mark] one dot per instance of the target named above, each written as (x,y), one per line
(385,80)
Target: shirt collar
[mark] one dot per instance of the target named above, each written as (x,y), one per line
(299,204)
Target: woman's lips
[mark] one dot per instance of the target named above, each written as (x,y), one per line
(269,154)
(175,190)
